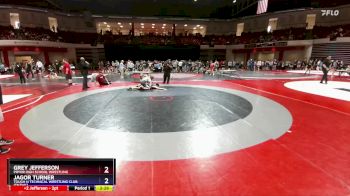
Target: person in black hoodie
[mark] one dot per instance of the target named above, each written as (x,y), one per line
(167,70)
(29,70)
(19,71)
(84,69)
(325,68)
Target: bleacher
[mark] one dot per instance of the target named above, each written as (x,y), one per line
(8,32)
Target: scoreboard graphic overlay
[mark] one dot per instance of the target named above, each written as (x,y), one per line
(61,174)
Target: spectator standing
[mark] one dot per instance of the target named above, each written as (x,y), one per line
(57,66)
(258,65)
(180,64)
(121,69)
(333,67)
(29,70)
(2,68)
(212,68)
(19,71)
(40,66)
(67,71)
(308,67)
(251,65)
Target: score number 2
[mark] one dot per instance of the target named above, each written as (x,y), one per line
(106,179)
(106,170)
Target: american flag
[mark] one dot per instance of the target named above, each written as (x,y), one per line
(262,6)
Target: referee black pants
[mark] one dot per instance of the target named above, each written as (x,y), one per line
(166,78)
(325,76)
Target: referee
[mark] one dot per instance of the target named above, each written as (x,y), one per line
(167,70)
(325,68)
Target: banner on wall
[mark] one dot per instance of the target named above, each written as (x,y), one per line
(262,6)
(330,12)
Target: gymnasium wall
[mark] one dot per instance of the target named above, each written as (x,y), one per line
(141,52)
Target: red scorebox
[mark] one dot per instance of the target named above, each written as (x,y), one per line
(38,188)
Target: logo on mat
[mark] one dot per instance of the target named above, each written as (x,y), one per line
(330,12)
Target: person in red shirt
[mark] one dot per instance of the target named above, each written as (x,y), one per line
(67,71)
(101,79)
(212,68)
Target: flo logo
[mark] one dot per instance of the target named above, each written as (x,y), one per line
(330,12)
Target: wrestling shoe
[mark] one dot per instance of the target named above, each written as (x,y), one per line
(4,150)
(6,142)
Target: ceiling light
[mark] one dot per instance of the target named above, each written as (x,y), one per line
(198,25)
(121,26)
(164,24)
(201,27)
(142,27)
(130,23)
(142,24)
(108,26)
(194,28)
(119,23)
(104,23)
(152,27)
(162,27)
(185,25)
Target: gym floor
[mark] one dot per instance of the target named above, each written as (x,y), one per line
(265,133)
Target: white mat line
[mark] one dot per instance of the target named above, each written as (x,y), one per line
(38,99)
(324,107)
